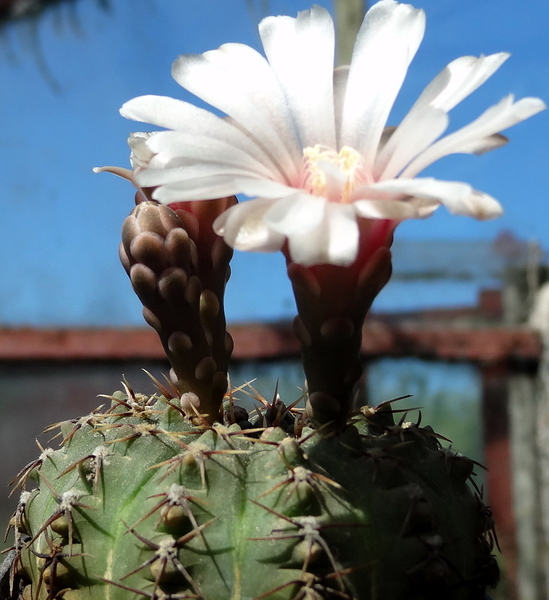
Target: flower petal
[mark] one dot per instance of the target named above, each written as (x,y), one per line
(458,197)
(163,111)
(481,206)
(198,148)
(418,130)
(424,187)
(264,188)
(243,227)
(479,134)
(333,241)
(395,210)
(217,186)
(301,53)
(190,120)
(459,79)
(238,81)
(386,43)
(182,174)
(201,188)
(425,121)
(424,207)
(482,145)
(296,214)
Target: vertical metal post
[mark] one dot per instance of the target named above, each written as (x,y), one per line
(348,18)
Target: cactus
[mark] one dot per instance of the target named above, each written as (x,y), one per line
(141,502)
(183,494)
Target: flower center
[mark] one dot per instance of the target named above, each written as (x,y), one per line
(332,174)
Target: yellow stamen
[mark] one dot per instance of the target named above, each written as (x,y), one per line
(347,160)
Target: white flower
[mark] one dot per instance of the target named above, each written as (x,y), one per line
(310,143)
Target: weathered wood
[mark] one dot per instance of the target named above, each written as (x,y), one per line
(529,403)
(527,505)
(542,439)
(265,341)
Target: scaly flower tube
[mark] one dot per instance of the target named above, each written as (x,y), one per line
(310,143)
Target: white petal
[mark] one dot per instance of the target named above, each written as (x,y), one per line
(395,210)
(386,43)
(238,81)
(202,188)
(458,197)
(199,148)
(334,241)
(188,119)
(265,188)
(459,79)
(424,207)
(163,111)
(482,206)
(423,187)
(219,186)
(388,131)
(426,121)
(482,145)
(170,113)
(243,227)
(256,76)
(296,214)
(168,176)
(418,131)
(301,53)
(498,117)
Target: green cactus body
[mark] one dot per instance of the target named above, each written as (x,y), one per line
(139,502)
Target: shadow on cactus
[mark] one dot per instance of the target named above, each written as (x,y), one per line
(183,494)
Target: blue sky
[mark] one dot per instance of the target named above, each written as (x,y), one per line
(60,222)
